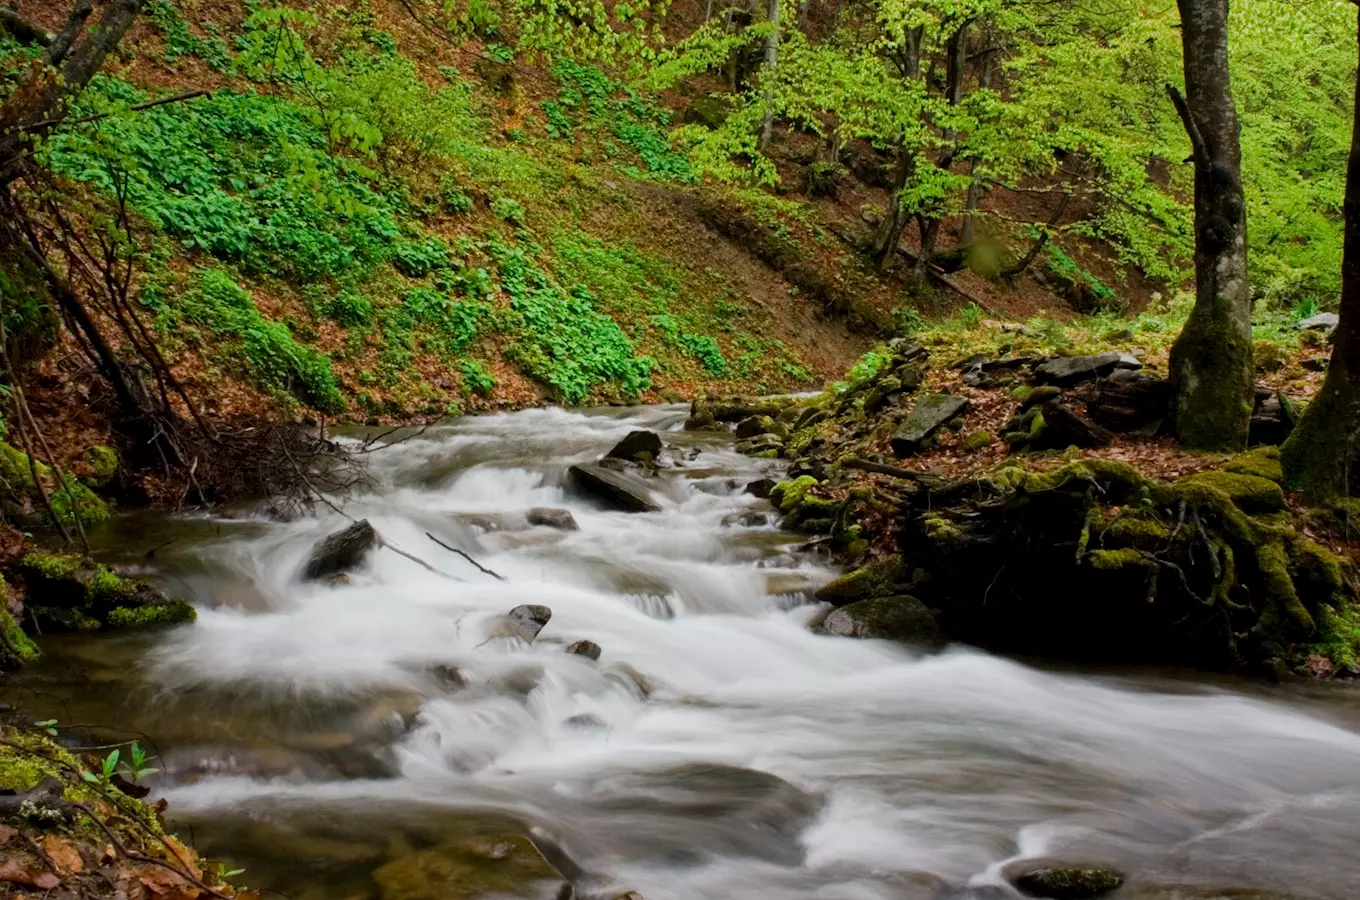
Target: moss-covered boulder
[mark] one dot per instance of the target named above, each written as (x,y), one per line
(69,592)
(1263,462)
(1061,881)
(874,580)
(101,464)
(1249,493)
(71,500)
(900,618)
(504,865)
(15,646)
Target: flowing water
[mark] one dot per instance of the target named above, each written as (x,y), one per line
(718,749)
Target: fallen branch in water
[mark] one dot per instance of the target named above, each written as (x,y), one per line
(415,559)
(479,566)
(882,469)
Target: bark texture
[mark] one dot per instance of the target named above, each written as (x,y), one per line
(1318,456)
(1211,361)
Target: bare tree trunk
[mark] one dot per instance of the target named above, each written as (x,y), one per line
(1211,361)
(890,233)
(987,67)
(771,64)
(803,14)
(1318,456)
(929,225)
(41,103)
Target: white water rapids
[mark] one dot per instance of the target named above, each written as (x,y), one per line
(720,748)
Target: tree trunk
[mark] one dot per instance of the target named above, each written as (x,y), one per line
(771,63)
(1317,457)
(41,103)
(1211,360)
(890,233)
(957,56)
(987,65)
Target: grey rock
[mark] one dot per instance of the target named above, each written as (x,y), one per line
(1066,371)
(584,721)
(754,426)
(1321,322)
(548,517)
(343,551)
(620,490)
(1062,881)
(930,413)
(528,620)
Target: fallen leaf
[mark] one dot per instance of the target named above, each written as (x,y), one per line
(178,854)
(46,881)
(7,833)
(161,889)
(13,871)
(66,857)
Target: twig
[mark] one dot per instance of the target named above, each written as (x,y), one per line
(416,559)
(483,569)
(142,857)
(136,107)
(882,469)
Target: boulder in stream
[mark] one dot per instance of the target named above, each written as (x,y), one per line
(526,621)
(69,592)
(620,490)
(472,867)
(1062,881)
(900,618)
(588,649)
(874,580)
(638,447)
(343,551)
(548,517)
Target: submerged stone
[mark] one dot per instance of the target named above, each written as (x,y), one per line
(619,490)
(505,865)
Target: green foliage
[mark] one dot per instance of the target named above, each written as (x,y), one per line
(179,41)
(702,347)
(508,210)
(476,378)
(562,339)
(272,358)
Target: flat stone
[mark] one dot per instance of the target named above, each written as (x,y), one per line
(635,444)
(1321,322)
(929,415)
(620,490)
(548,517)
(1066,371)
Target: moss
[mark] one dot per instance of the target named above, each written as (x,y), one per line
(1137,528)
(765,454)
(107,588)
(1250,493)
(1126,558)
(873,580)
(1319,574)
(70,499)
(1287,619)
(788,494)
(941,530)
(978,440)
(1036,425)
(55,566)
(16,647)
(1021,391)
(103,462)
(173,613)
(1263,462)
(1338,636)
(1116,481)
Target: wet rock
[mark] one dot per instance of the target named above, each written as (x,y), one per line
(874,580)
(69,592)
(930,414)
(638,446)
(343,551)
(761,444)
(748,519)
(468,868)
(759,425)
(1059,881)
(620,490)
(761,488)
(548,517)
(1321,322)
(588,649)
(527,621)
(902,618)
(584,722)
(1066,371)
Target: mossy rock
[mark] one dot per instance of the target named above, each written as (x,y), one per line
(1263,462)
(70,592)
(978,440)
(1137,528)
(1129,558)
(501,865)
(16,648)
(71,500)
(1059,881)
(102,461)
(1249,493)
(788,494)
(874,580)
(901,618)
(173,612)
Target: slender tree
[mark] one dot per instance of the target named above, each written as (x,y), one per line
(1317,457)
(771,65)
(1211,361)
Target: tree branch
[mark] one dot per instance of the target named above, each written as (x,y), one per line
(1197,144)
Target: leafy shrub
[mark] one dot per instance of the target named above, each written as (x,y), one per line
(702,347)
(508,210)
(419,258)
(350,309)
(476,378)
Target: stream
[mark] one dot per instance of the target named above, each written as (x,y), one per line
(719,748)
